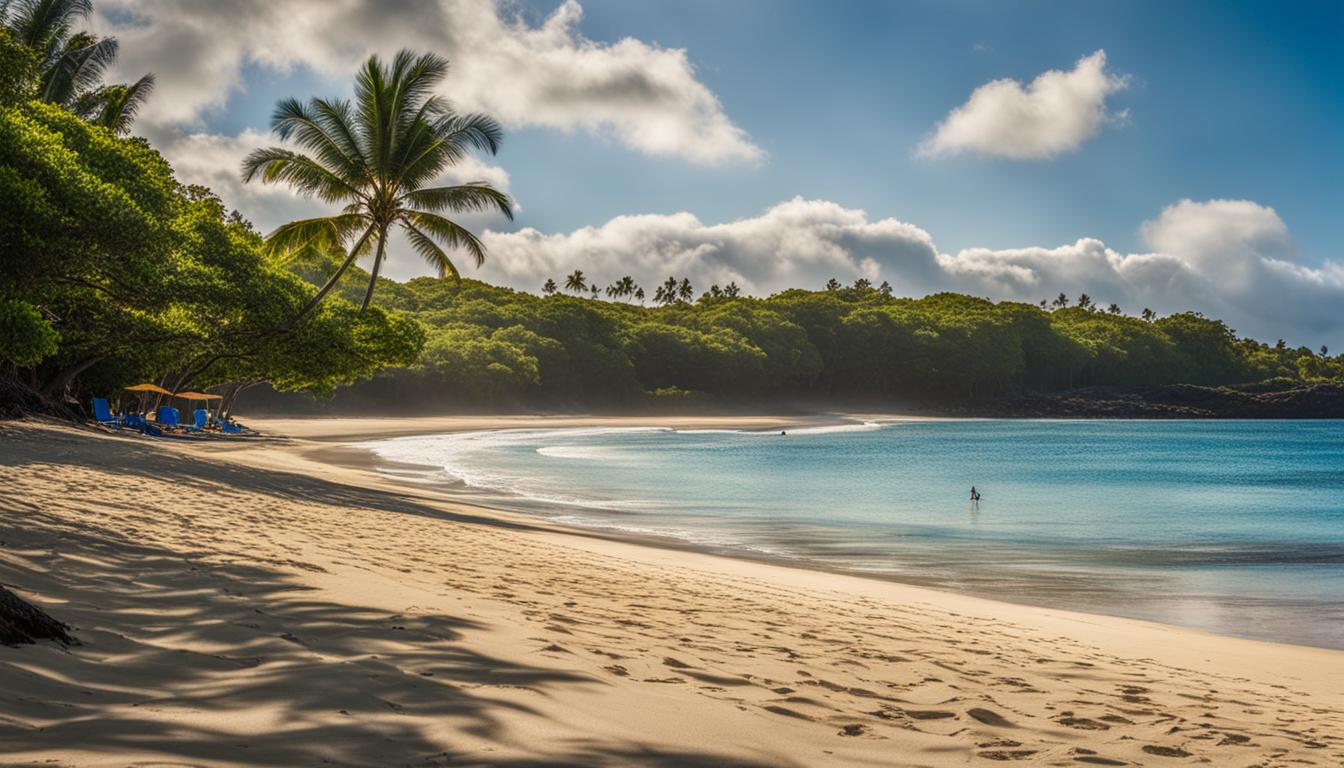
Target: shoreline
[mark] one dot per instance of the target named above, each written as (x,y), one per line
(361,458)
(639,652)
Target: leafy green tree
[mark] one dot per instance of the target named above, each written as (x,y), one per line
(731,290)
(378,157)
(832,284)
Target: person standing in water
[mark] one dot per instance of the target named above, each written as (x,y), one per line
(975,495)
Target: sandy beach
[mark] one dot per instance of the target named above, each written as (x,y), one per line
(270,601)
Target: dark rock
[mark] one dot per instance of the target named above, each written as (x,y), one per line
(21,622)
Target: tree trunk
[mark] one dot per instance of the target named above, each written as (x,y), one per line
(377,267)
(20,622)
(58,384)
(331,282)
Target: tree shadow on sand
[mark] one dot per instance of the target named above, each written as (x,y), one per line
(293,679)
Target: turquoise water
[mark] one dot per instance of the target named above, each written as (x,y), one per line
(1232,527)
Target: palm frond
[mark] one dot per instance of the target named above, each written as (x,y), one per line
(474,196)
(431,252)
(114,106)
(294,121)
(308,176)
(325,236)
(447,232)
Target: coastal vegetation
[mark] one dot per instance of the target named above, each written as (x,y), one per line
(488,346)
(114,272)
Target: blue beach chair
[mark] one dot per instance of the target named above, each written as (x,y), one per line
(103,413)
(202,417)
(168,416)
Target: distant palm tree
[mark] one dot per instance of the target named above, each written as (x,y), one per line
(684,291)
(597,292)
(639,295)
(885,289)
(1085,302)
(576,282)
(863,284)
(1060,301)
(715,291)
(1114,309)
(731,290)
(71,64)
(1148,315)
(549,287)
(378,157)
(626,286)
(832,284)
(667,292)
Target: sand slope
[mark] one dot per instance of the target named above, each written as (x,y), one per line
(240,604)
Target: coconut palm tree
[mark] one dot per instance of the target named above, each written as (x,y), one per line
(71,64)
(639,295)
(684,290)
(731,290)
(549,287)
(576,282)
(378,157)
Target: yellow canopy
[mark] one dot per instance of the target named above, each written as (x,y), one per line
(197,396)
(148,388)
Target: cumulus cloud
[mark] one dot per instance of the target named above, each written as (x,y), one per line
(1053,114)
(1232,259)
(798,243)
(643,95)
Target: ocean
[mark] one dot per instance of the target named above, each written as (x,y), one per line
(1235,527)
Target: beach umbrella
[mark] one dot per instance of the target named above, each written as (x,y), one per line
(197,396)
(144,390)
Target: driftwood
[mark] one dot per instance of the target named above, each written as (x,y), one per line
(20,622)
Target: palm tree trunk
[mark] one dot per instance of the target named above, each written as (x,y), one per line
(331,282)
(377,267)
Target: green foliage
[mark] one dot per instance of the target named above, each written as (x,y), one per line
(490,346)
(113,274)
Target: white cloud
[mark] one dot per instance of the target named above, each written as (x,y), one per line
(799,243)
(1053,114)
(1231,259)
(645,96)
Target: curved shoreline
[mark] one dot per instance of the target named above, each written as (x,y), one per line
(259,594)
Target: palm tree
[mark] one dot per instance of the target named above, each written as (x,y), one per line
(1085,302)
(731,290)
(1148,315)
(576,282)
(1114,309)
(71,64)
(667,292)
(549,287)
(377,157)
(885,289)
(639,294)
(684,290)
(1060,301)
(597,292)
(832,284)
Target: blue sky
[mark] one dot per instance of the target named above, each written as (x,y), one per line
(1232,106)
(1229,100)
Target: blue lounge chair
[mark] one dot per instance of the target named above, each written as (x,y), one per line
(103,413)
(230,428)
(168,416)
(202,417)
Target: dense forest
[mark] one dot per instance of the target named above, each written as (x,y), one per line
(488,346)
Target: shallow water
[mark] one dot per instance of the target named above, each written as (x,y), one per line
(1232,527)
